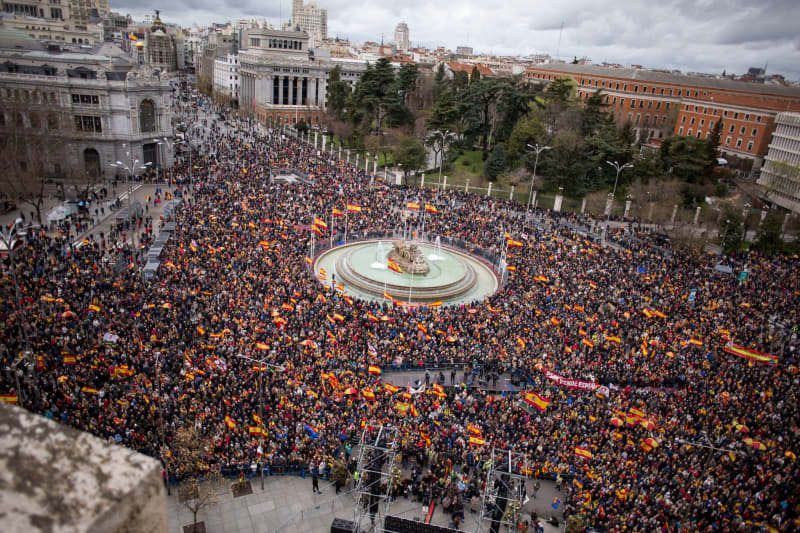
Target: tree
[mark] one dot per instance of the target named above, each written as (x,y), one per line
(189,459)
(517,98)
(712,144)
(338,91)
(475,75)
(731,230)
(410,153)
(769,234)
(560,90)
(478,106)
(495,164)
(528,130)
(32,151)
(687,158)
(444,113)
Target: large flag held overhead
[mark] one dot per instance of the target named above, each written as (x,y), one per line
(391,265)
(311,431)
(750,354)
(583,452)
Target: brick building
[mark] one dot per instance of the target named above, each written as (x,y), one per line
(660,104)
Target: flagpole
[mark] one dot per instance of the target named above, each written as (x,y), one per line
(330,217)
(346,222)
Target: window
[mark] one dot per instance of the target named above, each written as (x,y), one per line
(711,124)
(680,130)
(702,122)
(699,133)
(732,128)
(633,103)
(88,124)
(691,121)
(689,133)
(750,146)
(742,130)
(147,116)
(727,141)
(736,115)
(738,143)
(85,99)
(754,132)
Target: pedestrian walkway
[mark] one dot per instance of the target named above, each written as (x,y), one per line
(287,505)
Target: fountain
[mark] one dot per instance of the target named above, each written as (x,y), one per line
(380,257)
(437,250)
(456,277)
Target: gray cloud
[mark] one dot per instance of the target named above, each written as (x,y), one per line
(688,35)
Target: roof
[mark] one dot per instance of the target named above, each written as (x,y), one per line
(14,39)
(637,74)
(465,67)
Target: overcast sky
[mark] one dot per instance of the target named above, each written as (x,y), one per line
(688,35)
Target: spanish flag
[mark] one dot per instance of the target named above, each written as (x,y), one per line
(477,441)
(587,342)
(390,388)
(513,244)
(255,430)
(391,265)
(371,317)
(257,419)
(374,370)
(262,346)
(316,230)
(69,360)
(412,205)
(200,330)
(367,394)
(47,298)
(583,452)
(612,338)
(511,268)
(696,342)
(750,354)
(338,212)
(537,402)
(230,422)
(475,430)
(321,223)
(437,303)
(352,208)
(431,209)
(577,483)
(388,296)
(95,308)
(9,398)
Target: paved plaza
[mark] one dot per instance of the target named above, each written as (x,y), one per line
(287,504)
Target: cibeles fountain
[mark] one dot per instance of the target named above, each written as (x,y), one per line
(427,272)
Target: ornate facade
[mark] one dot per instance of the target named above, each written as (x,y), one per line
(92,109)
(280,79)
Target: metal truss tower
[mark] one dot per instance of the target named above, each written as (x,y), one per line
(503,496)
(376,456)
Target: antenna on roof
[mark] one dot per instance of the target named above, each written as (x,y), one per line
(558,48)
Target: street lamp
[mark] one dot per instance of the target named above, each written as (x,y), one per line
(537,150)
(260,389)
(171,146)
(131,170)
(619,169)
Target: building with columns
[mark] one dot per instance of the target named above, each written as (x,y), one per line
(660,104)
(281,81)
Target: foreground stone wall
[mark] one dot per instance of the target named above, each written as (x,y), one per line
(55,478)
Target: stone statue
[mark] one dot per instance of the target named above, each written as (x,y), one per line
(409,258)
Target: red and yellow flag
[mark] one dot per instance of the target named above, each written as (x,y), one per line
(352,208)
(374,370)
(391,265)
(230,422)
(537,402)
(583,452)
(431,209)
(412,205)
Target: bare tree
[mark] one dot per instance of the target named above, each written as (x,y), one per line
(31,152)
(200,481)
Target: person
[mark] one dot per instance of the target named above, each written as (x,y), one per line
(315,478)
(427,378)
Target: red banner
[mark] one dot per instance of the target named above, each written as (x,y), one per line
(576,383)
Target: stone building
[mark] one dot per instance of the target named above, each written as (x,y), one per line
(311,19)
(780,176)
(401,37)
(226,79)
(160,47)
(280,79)
(89,107)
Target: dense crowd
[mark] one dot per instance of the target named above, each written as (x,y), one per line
(679,436)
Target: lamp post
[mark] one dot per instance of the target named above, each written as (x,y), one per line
(171,146)
(260,389)
(619,168)
(131,170)
(9,238)
(537,150)
(441,136)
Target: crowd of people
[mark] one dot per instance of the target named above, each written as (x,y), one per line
(638,407)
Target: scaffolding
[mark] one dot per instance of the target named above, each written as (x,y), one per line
(503,496)
(377,451)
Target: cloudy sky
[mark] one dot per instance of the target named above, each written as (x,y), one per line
(689,35)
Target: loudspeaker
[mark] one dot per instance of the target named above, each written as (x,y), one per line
(340,525)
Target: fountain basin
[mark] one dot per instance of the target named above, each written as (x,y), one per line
(455,277)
